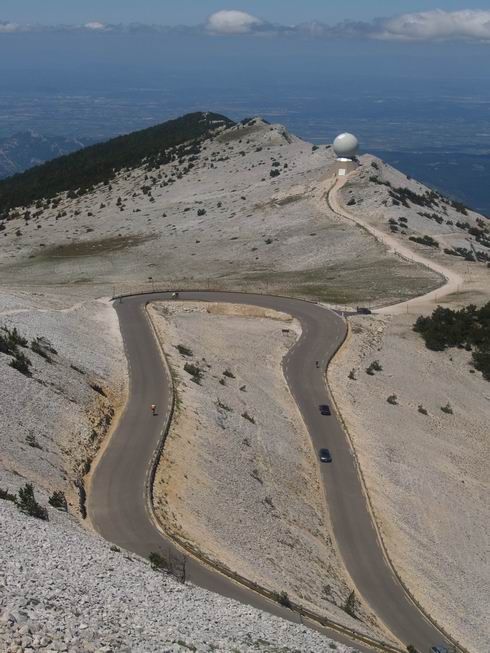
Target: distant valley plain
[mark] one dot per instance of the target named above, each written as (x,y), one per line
(441,137)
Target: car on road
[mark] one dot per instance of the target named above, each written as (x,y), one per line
(363,310)
(324,409)
(325,456)
(439,649)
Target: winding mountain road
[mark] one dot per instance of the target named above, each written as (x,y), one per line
(118,499)
(453,282)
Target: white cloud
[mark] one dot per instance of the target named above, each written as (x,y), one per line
(95,25)
(437,25)
(233,22)
(9,27)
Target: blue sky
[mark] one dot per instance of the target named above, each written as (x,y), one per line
(172,12)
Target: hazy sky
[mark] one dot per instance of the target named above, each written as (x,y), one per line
(172,12)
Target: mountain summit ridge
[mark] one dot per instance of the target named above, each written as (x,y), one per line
(100,162)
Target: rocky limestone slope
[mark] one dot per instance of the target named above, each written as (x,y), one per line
(243,209)
(422,219)
(56,412)
(63,589)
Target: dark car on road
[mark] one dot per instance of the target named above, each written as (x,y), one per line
(325,456)
(324,409)
(439,649)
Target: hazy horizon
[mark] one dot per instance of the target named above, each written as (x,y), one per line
(403,83)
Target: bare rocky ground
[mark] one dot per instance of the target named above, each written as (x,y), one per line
(238,479)
(224,223)
(386,199)
(428,475)
(53,419)
(63,589)
(257,233)
(432,504)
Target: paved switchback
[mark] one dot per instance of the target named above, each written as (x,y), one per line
(117,501)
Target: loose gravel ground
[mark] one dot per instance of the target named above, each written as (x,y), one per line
(428,475)
(53,420)
(62,589)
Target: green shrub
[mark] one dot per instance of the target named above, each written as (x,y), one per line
(468,328)
(447,409)
(185,351)
(246,416)
(195,372)
(21,363)
(350,604)
(375,366)
(424,240)
(224,407)
(58,500)
(284,600)
(38,347)
(10,341)
(32,441)
(229,374)
(481,360)
(99,389)
(15,338)
(27,503)
(157,561)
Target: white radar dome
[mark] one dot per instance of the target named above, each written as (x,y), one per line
(346,146)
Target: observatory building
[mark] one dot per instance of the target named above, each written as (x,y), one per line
(346,146)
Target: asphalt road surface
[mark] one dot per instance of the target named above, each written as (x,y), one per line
(117,498)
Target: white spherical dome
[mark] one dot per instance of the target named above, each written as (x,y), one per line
(346,146)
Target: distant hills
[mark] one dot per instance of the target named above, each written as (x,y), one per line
(99,163)
(27,149)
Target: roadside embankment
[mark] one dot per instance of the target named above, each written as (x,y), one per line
(238,478)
